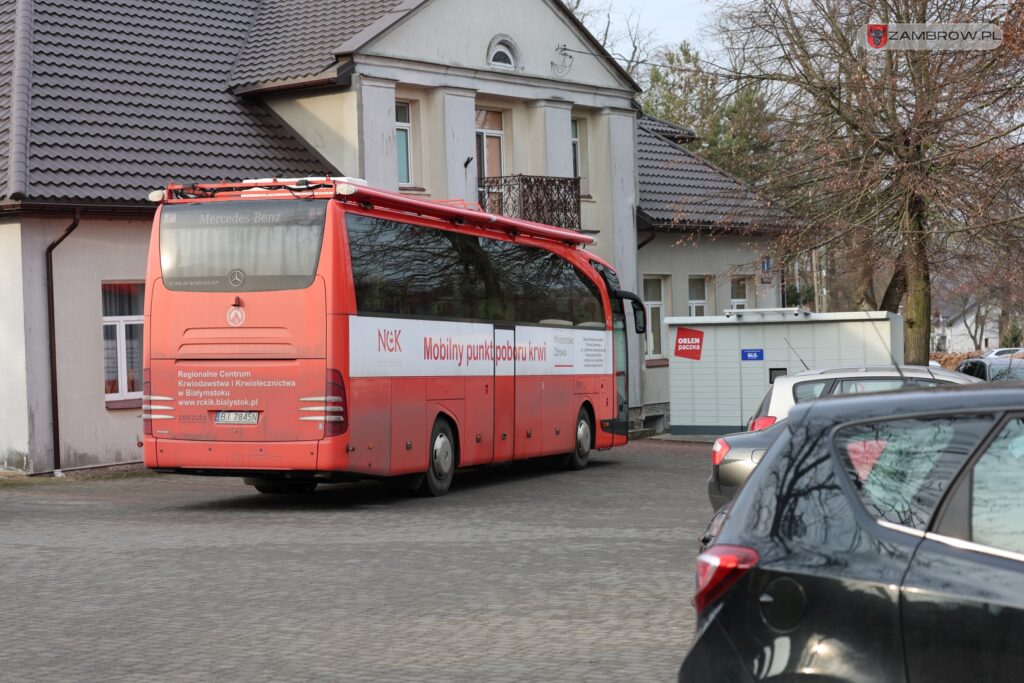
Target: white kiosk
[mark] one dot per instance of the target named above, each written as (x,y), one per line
(721,366)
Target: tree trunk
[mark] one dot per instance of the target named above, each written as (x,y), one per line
(917,314)
(897,287)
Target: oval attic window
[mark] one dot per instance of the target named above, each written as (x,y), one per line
(501,56)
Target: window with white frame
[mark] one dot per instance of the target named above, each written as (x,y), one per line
(490,144)
(490,141)
(654,302)
(698,286)
(738,293)
(575,139)
(578,140)
(403,141)
(122,340)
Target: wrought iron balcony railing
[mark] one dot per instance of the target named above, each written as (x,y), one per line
(543,199)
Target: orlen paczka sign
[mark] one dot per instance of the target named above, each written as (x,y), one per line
(689,343)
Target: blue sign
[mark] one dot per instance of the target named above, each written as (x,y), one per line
(752,354)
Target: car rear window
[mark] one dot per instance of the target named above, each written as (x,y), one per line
(869,386)
(901,468)
(809,391)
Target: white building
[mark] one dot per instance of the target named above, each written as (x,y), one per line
(434,98)
(705,246)
(975,328)
(429,97)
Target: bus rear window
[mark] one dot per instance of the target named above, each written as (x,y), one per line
(241,246)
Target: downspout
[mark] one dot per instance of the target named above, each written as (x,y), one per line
(51,321)
(644,243)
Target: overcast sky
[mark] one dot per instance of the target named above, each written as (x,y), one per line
(673,20)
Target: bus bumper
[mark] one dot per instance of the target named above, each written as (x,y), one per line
(220,455)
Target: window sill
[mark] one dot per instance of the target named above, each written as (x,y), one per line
(656,363)
(412,190)
(125,404)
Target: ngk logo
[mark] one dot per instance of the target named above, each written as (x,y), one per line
(389,341)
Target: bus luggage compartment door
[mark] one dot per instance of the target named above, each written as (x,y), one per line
(504,394)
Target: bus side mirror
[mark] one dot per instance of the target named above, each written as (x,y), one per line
(639,317)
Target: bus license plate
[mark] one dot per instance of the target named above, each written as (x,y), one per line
(236,418)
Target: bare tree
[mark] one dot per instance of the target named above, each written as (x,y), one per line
(898,161)
(622,34)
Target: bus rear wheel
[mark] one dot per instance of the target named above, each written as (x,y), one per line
(440,461)
(584,438)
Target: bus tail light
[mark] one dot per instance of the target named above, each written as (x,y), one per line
(719,451)
(718,568)
(147,425)
(153,407)
(337,421)
(762,423)
(333,409)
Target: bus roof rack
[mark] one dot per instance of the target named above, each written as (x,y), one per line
(356,190)
(399,202)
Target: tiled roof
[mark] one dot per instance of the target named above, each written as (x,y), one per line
(668,130)
(295,38)
(127,95)
(679,189)
(7,12)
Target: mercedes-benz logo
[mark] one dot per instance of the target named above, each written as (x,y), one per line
(236,278)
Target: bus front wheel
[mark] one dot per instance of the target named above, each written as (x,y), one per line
(440,462)
(584,438)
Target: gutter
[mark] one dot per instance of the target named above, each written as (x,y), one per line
(51,320)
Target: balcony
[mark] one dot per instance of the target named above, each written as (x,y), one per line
(542,199)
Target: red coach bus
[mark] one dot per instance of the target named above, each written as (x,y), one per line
(316,330)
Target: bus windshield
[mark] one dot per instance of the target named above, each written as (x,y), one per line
(241,246)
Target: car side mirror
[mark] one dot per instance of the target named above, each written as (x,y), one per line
(639,317)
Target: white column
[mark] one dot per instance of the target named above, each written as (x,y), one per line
(378,157)
(552,123)
(14,418)
(458,147)
(622,187)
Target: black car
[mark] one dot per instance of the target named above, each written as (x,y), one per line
(733,458)
(994,369)
(881,538)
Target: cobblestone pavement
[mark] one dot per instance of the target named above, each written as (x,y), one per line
(518,574)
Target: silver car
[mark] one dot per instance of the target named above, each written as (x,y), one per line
(809,385)
(734,456)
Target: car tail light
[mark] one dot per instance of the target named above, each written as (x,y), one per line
(337,418)
(147,390)
(718,568)
(762,423)
(719,451)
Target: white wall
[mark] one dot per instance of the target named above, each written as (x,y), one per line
(679,257)
(958,339)
(14,419)
(457,33)
(100,250)
(327,123)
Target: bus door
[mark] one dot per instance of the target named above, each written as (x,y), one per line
(620,342)
(504,393)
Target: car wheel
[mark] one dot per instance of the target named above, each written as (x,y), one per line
(584,438)
(440,461)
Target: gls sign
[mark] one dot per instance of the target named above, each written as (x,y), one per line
(689,343)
